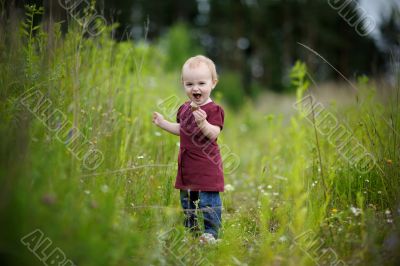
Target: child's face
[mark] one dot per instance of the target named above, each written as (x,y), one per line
(198,83)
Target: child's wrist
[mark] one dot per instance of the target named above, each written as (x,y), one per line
(201,123)
(161,123)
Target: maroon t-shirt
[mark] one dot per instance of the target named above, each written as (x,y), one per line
(199,161)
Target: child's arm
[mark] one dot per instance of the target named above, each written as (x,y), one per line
(206,128)
(159,120)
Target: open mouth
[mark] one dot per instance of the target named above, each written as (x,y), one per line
(197,95)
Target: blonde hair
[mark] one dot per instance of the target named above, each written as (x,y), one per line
(195,61)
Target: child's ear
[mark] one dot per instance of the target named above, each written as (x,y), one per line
(215,81)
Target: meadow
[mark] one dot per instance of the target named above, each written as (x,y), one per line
(293,198)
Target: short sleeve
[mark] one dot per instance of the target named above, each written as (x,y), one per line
(216,116)
(179,113)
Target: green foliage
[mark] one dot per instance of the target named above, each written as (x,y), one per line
(299,80)
(29,31)
(179,45)
(230,86)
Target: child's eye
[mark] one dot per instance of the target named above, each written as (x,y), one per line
(189,84)
(202,83)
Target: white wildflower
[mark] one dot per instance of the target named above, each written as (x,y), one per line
(229,187)
(283,239)
(104,188)
(355,211)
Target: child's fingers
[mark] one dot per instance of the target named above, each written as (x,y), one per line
(197,114)
(201,113)
(157,115)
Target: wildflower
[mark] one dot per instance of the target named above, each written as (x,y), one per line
(379,192)
(389,221)
(334,210)
(229,187)
(93,204)
(104,188)
(48,199)
(140,157)
(388,161)
(87,192)
(283,239)
(387,212)
(157,133)
(355,211)
(275,193)
(269,186)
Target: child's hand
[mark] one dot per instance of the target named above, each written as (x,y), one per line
(157,118)
(200,116)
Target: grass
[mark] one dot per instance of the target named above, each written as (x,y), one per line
(294,200)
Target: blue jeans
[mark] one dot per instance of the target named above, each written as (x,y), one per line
(209,205)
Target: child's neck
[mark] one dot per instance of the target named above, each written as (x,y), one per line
(208,100)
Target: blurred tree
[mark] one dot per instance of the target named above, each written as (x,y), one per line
(179,45)
(257,39)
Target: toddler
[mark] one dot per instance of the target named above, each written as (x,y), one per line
(200,173)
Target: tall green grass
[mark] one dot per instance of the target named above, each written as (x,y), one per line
(292,196)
